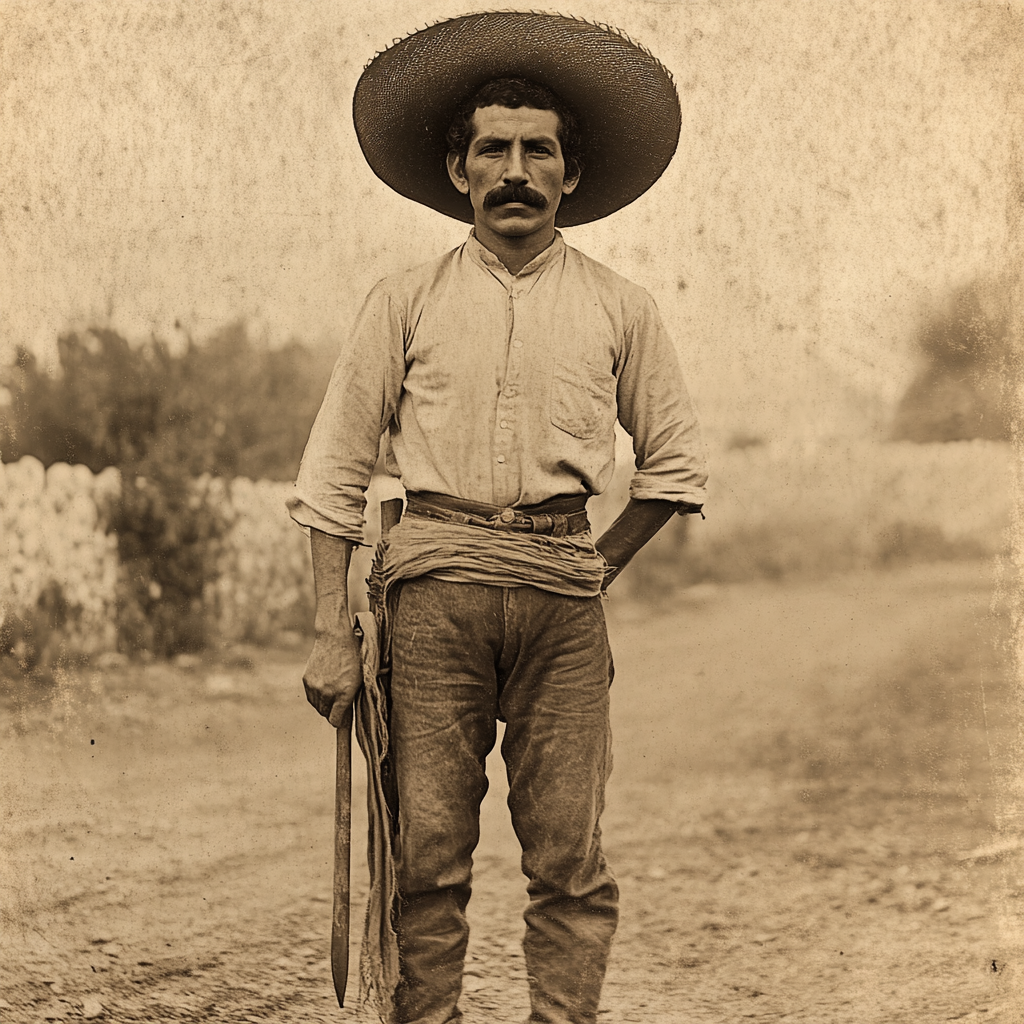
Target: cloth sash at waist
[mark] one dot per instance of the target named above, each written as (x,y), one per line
(568,565)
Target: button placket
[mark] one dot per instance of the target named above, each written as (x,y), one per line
(504,428)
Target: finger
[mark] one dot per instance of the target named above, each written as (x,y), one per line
(315,697)
(338,710)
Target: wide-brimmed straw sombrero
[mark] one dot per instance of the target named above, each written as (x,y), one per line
(624,99)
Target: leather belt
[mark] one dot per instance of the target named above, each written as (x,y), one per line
(562,516)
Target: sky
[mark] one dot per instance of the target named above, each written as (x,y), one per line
(170,168)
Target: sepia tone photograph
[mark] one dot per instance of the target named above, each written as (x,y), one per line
(511,515)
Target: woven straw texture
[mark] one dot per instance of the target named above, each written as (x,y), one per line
(624,97)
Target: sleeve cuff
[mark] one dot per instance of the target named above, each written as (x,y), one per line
(690,499)
(347,526)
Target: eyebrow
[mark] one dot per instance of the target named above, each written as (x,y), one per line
(484,140)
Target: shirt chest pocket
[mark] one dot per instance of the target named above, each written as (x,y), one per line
(582,400)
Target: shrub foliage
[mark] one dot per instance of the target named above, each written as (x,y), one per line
(228,407)
(965,387)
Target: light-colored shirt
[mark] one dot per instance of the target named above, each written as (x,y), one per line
(501,388)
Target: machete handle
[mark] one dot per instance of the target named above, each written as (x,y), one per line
(390,515)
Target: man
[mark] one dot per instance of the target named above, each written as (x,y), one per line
(497,373)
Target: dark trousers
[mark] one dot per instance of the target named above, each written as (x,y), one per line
(464,655)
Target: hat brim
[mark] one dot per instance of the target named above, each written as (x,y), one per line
(624,98)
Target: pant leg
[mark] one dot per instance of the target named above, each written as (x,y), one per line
(445,646)
(553,683)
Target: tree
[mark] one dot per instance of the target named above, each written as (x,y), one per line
(965,388)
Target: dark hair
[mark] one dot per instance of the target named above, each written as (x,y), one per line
(518,92)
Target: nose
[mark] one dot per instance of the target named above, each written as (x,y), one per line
(515,167)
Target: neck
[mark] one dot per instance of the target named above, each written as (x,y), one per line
(515,251)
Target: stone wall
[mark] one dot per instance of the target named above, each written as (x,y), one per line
(265,575)
(53,531)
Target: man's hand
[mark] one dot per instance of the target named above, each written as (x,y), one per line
(638,522)
(333,673)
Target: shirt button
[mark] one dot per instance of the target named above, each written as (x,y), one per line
(503,424)
(517,344)
(501,458)
(510,392)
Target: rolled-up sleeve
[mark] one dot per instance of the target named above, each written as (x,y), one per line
(361,399)
(656,411)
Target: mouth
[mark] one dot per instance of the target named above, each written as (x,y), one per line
(515,209)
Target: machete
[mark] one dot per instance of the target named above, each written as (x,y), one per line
(390,514)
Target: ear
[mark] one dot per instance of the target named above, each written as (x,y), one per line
(457,172)
(569,183)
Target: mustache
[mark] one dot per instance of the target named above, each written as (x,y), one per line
(514,194)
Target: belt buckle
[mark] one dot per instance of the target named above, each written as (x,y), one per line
(507,516)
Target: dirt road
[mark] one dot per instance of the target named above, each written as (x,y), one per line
(810,819)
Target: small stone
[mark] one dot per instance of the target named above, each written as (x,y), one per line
(110,949)
(940,905)
(91,1008)
(55,1010)
(471,984)
(56,988)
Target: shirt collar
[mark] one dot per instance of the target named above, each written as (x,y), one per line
(480,254)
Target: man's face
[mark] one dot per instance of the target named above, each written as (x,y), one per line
(514,172)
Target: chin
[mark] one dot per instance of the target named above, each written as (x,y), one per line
(514,229)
